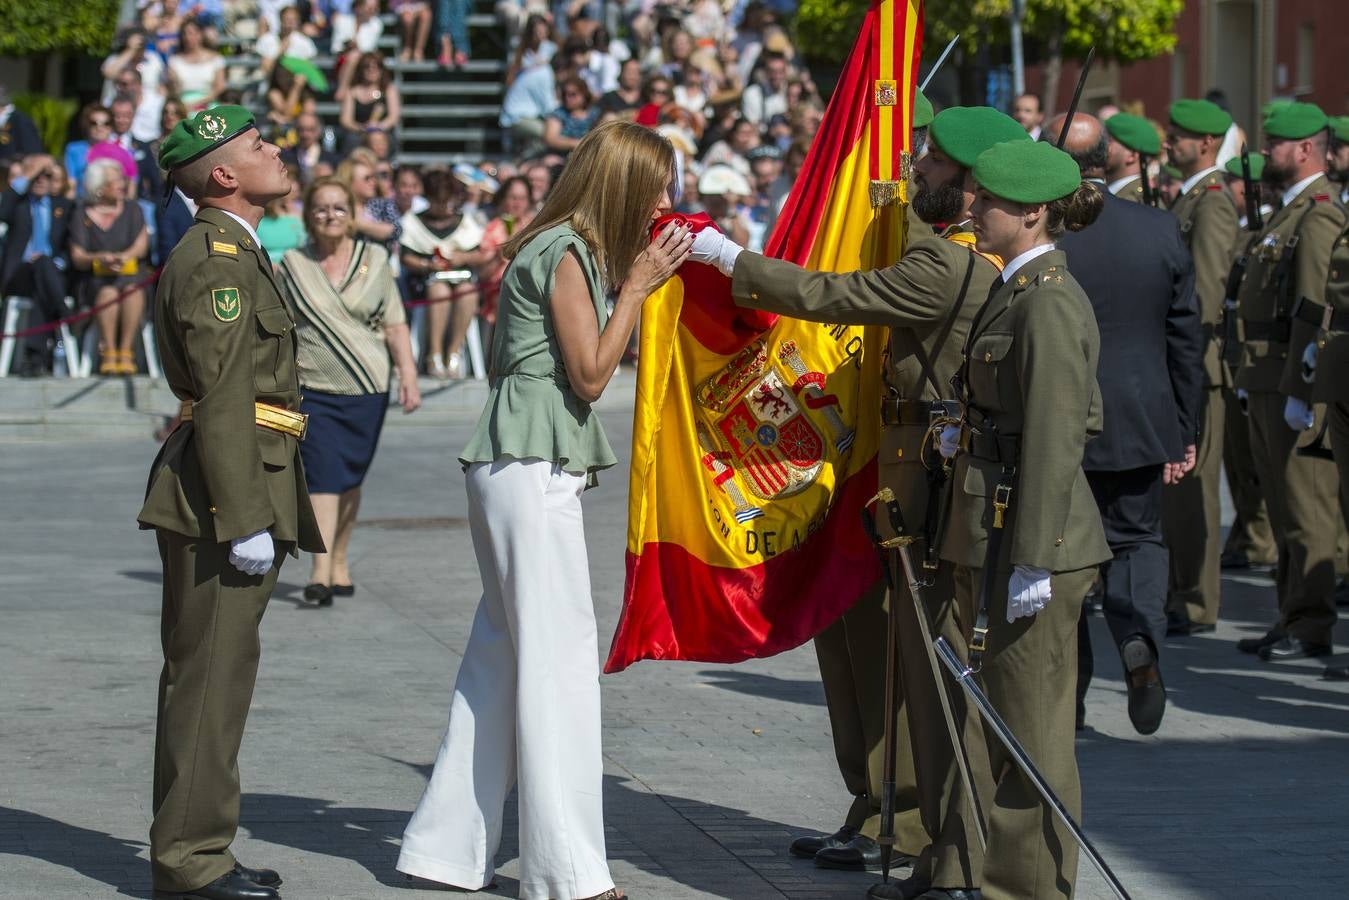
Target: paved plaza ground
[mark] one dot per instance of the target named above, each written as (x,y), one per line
(710,770)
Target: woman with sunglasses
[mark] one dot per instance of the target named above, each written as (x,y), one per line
(96,124)
(565,126)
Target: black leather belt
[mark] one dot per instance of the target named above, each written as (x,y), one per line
(1314,313)
(898,411)
(993,448)
(1277,332)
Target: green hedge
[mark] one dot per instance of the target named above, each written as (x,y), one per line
(52,117)
(73,26)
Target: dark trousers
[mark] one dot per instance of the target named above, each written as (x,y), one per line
(45,285)
(1134,582)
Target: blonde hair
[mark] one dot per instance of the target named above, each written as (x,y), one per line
(331,181)
(361,156)
(607,192)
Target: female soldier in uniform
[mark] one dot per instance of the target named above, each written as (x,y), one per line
(1024,531)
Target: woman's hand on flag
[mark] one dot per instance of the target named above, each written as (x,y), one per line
(661,259)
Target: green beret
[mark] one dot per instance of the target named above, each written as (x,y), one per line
(964,132)
(1233,166)
(1027,172)
(1295,121)
(1273,106)
(1134,132)
(193,138)
(1200,116)
(922,110)
(1339,126)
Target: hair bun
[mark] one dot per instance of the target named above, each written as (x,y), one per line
(1084,206)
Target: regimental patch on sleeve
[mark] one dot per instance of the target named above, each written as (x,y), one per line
(225,304)
(224,247)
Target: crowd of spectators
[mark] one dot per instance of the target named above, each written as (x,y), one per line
(721,80)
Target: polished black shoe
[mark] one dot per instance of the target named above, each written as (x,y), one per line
(264,877)
(319,593)
(230,886)
(1255,645)
(1336,673)
(952,894)
(1186,628)
(900,889)
(1147,694)
(1292,648)
(344,590)
(858,855)
(1094,602)
(807,847)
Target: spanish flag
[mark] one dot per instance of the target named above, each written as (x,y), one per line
(755,436)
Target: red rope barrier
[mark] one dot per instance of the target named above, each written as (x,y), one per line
(85,314)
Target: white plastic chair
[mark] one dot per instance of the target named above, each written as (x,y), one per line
(14,309)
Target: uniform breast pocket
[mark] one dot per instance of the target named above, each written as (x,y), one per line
(988,355)
(272,372)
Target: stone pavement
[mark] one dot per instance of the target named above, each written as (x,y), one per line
(710,770)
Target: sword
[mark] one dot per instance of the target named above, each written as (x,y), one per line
(899,545)
(1077,96)
(937,65)
(965,677)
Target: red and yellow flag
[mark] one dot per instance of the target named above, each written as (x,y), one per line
(755,437)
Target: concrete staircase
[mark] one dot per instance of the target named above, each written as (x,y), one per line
(448,115)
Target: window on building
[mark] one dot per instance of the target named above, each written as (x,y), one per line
(1180,65)
(1306,37)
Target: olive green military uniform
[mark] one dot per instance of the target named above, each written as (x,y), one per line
(1331,385)
(1031,381)
(226,342)
(1192,507)
(1131,190)
(1250,534)
(928,300)
(1300,491)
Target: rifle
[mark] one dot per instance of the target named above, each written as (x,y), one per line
(1254,220)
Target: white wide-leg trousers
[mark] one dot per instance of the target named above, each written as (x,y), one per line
(526,703)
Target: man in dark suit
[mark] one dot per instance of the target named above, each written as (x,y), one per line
(18,134)
(149,181)
(308,151)
(36,254)
(1134,267)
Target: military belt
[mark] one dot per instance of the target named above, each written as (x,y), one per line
(1321,315)
(1278,331)
(265,415)
(992,447)
(898,411)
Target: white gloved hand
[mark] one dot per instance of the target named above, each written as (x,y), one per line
(254,554)
(948,442)
(1244,401)
(1309,363)
(1027,592)
(1298,414)
(715,249)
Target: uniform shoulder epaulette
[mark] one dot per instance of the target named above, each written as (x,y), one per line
(216,247)
(1215,187)
(1321,198)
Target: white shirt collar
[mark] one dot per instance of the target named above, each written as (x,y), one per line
(191,204)
(252,232)
(1196,178)
(1114,186)
(1292,193)
(1017,262)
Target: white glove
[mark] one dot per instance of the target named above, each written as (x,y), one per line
(948,442)
(1309,363)
(1027,592)
(715,249)
(1298,414)
(1244,401)
(254,554)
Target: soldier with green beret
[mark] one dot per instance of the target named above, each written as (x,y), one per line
(922,118)
(1250,540)
(1024,532)
(1133,141)
(1280,302)
(1339,155)
(1192,506)
(928,299)
(226,495)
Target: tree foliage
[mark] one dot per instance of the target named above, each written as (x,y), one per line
(1122,30)
(44,26)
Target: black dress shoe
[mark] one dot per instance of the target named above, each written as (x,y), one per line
(1292,648)
(807,847)
(900,889)
(1336,673)
(1186,628)
(858,855)
(1094,602)
(264,877)
(1255,645)
(1147,694)
(319,593)
(344,590)
(952,894)
(230,886)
